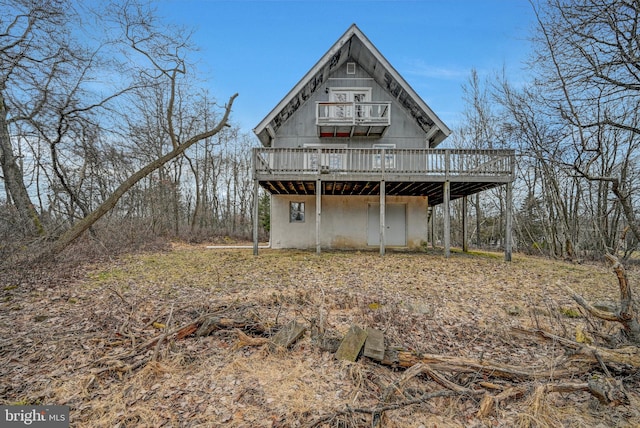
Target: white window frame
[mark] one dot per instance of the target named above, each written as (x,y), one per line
(296,215)
(350,94)
(329,160)
(389,158)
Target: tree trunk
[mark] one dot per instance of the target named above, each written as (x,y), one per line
(626,314)
(81,226)
(13,180)
(197,203)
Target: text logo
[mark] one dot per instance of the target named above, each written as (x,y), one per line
(34,416)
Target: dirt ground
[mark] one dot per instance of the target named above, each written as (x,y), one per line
(112,340)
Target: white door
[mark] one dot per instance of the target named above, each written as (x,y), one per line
(395,222)
(349,95)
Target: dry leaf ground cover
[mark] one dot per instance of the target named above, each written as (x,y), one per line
(88,342)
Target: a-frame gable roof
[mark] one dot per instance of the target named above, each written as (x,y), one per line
(356,46)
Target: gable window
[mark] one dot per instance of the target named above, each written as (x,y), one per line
(351,68)
(296,212)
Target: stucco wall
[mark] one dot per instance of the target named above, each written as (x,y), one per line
(343,221)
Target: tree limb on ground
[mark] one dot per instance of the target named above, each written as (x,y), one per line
(401,358)
(625,315)
(517,381)
(628,355)
(382,408)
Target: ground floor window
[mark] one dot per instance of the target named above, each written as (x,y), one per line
(296,212)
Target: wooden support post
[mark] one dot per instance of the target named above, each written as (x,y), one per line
(478,220)
(433,227)
(383,209)
(318,213)
(465,226)
(429,222)
(508,224)
(447,218)
(256,211)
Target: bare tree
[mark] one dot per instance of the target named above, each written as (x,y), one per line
(168,69)
(87,147)
(482,129)
(107,125)
(579,123)
(45,103)
(35,52)
(587,59)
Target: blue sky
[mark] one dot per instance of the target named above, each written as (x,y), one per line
(261,49)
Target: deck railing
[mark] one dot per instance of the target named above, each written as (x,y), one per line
(361,113)
(409,162)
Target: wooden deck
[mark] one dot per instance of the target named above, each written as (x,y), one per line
(347,120)
(405,172)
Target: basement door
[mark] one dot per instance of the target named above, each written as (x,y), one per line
(395,223)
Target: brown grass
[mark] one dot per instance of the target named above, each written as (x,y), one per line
(73,343)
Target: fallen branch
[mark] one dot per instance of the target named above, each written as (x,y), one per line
(380,409)
(213,323)
(246,340)
(628,355)
(542,390)
(489,402)
(186,331)
(202,326)
(443,381)
(598,313)
(401,358)
(162,338)
(397,386)
(608,391)
(626,315)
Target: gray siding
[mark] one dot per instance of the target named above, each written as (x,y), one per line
(300,128)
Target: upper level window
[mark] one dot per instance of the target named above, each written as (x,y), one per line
(346,97)
(350,95)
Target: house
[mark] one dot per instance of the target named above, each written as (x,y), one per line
(349,157)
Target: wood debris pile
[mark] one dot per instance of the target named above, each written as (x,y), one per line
(201,338)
